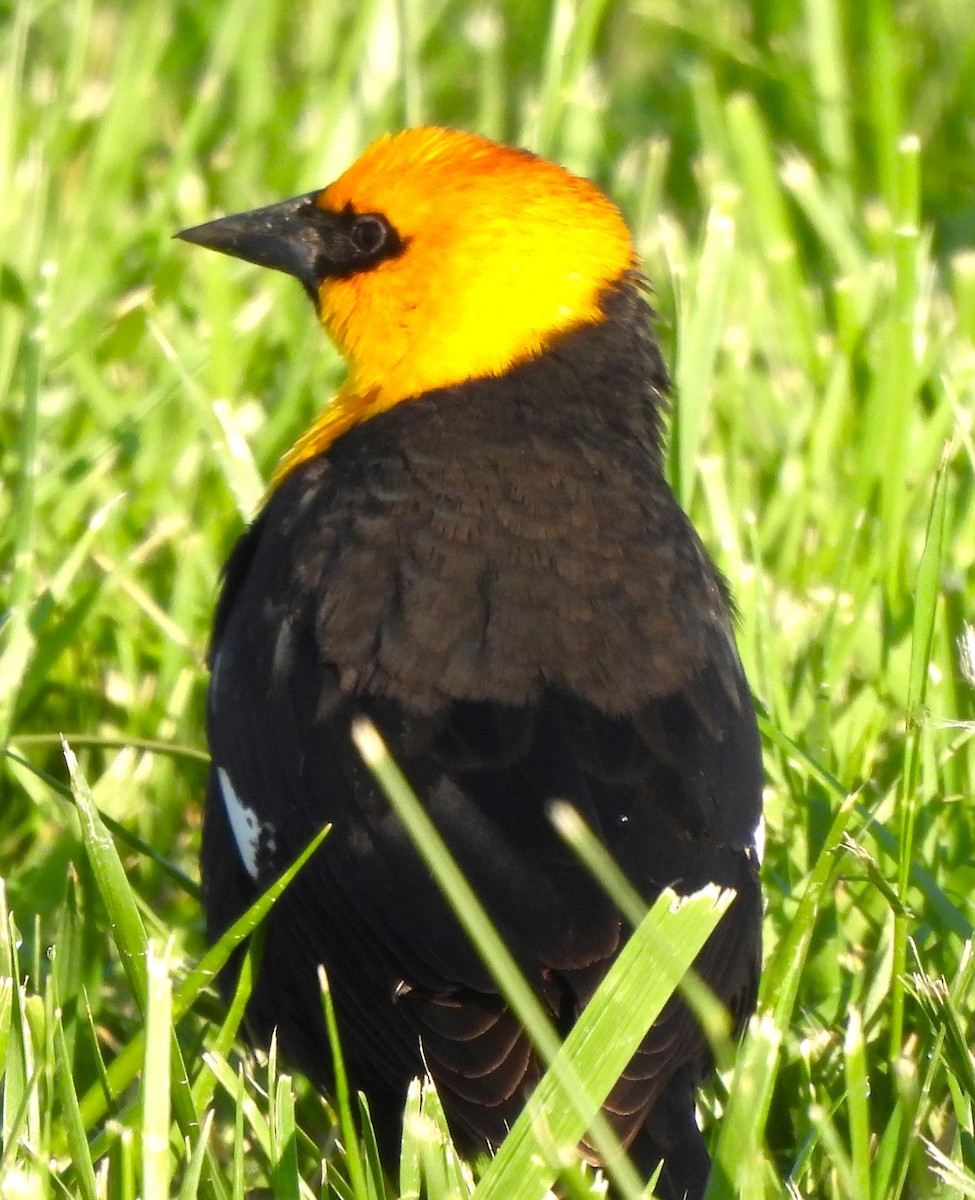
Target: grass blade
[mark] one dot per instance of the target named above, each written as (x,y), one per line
(640,982)
(156,1157)
(124,920)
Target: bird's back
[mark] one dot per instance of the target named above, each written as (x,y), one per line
(497,574)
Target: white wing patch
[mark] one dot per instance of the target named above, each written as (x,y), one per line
(251,835)
(759,837)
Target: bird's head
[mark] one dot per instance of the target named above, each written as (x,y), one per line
(437,257)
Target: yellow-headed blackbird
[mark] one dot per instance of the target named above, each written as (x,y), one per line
(474,546)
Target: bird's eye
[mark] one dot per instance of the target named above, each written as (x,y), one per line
(369,234)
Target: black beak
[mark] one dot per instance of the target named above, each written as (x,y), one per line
(290,236)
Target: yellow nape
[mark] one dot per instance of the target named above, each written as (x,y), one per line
(502,252)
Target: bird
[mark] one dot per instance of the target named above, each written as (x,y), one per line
(474,546)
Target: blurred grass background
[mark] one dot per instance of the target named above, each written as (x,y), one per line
(800,178)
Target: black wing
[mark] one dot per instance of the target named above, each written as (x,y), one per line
(672,790)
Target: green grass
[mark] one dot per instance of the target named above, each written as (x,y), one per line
(801,181)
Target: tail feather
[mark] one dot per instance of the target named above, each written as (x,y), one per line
(671,1136)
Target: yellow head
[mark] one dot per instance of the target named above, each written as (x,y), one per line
(437,257)
(501,250)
